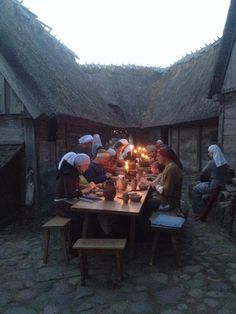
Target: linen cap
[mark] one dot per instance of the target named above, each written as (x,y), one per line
(85,139)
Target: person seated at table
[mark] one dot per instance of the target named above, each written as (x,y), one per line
(85,145)
(212,174)
(174,157)
(168,190)
(157,170)
(119,146)
(96,145)
(110,166)
(96,171)
(152,152)
(127,152)
(68,187)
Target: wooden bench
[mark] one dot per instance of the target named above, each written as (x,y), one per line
(63,225)
(87,247)
(167,224)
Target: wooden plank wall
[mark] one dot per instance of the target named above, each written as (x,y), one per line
(190,141)
(68,130)
(11,109)
(229,129)
(11,129)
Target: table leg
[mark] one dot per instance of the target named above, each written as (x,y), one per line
(132,236)
(85,225)
(154,245)
(46,244)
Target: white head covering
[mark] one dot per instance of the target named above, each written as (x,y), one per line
(69,157)
(111,151)
(151,148)
(80,159)
(86,139)
(127,149)
(159,141)
(218,156)
(124,141)
(96,143)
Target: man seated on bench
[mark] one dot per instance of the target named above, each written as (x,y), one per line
(214,170)
(168,191)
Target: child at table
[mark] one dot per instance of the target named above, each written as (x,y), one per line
(156,169)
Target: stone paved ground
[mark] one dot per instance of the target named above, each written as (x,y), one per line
(205,283)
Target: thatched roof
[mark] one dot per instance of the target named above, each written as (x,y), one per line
(45,76)
(43,72)
(227,44)
(181,94)
(124,88)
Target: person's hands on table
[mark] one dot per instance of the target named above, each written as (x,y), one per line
(89,188)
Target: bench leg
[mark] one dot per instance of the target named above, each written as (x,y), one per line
(68,236)
(64,244)
(174,241)
(82,262)
(132,236)
(119,267)
(154,245)
(46,245)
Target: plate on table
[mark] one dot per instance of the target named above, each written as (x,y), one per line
(99,193)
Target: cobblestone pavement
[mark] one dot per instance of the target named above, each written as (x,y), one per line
(204,283)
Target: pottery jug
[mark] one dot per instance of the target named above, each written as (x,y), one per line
(109,191)
(121,183)
(133,184)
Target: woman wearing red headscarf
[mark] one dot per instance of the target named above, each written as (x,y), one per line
(168,190)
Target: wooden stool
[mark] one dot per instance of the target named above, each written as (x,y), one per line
(168,224)
(63,224)
(211,199)
(87,247)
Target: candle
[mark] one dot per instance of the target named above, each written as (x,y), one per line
(126,166)
(131,151)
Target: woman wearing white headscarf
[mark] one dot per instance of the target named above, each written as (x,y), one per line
(119,147)
(67,182)
(68,187)
(214,171)
(127,152)
(97,143)
(69,157)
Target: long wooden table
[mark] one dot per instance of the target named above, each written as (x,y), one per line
(117,207)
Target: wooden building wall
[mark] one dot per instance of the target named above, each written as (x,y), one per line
(54,137)
(230,75)
(228,128)
(11,109)
(190,141)
(17,127)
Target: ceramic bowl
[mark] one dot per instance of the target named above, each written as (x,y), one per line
(135,197)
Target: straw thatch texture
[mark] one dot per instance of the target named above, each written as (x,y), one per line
(227,44)
(44,72)
(181,94)
(124,88)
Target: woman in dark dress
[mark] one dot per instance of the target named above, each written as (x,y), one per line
(215,169)
(68,187)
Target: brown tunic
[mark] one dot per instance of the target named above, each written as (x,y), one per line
(171,181)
